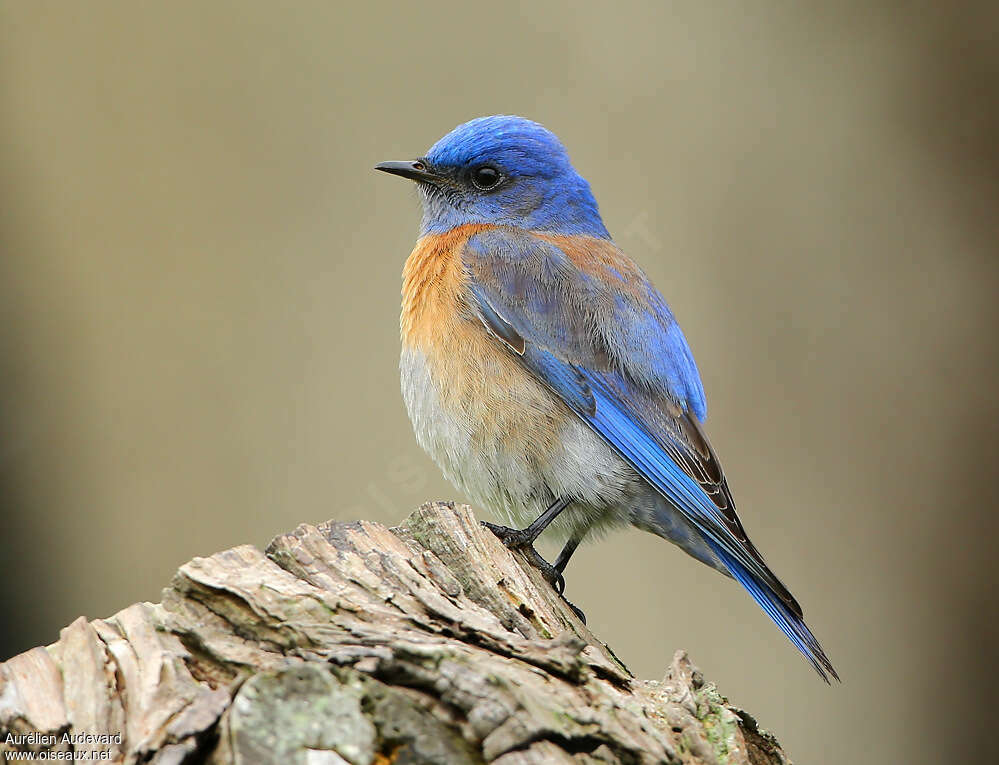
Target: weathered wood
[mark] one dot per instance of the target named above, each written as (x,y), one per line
(355,643)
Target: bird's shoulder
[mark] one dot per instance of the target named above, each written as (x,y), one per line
(584,300)
(573,260)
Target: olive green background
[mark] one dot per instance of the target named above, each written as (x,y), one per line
(199,278)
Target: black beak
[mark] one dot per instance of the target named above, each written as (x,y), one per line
(415,170)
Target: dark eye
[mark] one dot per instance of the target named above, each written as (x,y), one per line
(486,177)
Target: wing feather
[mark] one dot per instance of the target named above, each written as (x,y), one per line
(568,321)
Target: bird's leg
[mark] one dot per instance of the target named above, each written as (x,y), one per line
(523,540)
(525,537)
(561,562)
(563,557)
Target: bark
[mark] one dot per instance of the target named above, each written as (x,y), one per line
(355,643)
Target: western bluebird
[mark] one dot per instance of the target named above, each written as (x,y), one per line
(545,374)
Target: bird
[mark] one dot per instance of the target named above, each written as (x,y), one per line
(545,374)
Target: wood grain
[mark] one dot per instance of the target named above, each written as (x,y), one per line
(356,643)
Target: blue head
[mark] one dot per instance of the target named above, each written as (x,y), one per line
(502,170)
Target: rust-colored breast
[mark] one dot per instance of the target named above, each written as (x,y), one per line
(432,283)
(477,381)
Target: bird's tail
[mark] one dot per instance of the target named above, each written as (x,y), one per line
(791,624)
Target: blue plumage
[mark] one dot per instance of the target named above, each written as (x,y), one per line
(545,193)
(539,273)
(610,400)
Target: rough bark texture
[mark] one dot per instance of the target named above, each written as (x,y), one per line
(355,643)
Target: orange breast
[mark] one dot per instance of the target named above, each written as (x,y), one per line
(478,382)
(432,284)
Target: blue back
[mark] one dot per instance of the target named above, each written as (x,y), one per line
(545,278)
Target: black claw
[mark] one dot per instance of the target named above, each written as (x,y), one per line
(576,611)
(517,539)
(506,535)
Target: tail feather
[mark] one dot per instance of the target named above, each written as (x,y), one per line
(790,623)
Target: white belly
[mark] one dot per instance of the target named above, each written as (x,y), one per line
(506,475)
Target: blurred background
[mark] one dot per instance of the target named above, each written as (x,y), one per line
(199,291)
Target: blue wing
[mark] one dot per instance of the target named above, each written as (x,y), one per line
(591,327)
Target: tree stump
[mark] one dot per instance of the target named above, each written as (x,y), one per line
(355,643)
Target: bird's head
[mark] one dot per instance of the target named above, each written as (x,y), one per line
(501,170)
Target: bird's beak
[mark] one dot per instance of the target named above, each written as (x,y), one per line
(415,170)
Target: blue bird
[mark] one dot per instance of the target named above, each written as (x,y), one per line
(545,374)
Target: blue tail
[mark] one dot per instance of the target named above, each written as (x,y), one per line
(595,399)
(791,624)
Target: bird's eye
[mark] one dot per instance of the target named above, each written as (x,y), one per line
(486,177)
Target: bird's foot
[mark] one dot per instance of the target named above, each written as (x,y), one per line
(522,540)
(512,538)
